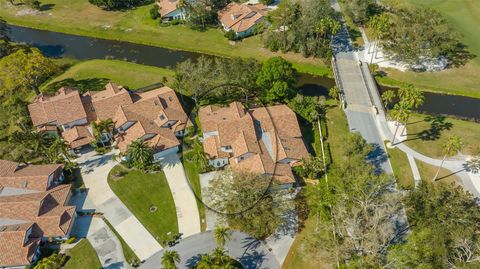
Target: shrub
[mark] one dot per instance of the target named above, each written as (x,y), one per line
(231,35)
(154,12)
(35,4)
(175,22)
(70,240)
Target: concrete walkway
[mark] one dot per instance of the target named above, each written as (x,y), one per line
(95,169)
(185,202)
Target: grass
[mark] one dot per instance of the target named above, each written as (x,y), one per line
(139,192)
(127,251)
(401,168)
(427,134)
(193,176)
(94,74)
(83,256)
(427,172)
(82,18)
(464,16)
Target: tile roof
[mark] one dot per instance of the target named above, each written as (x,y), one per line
(63,107)
(106,103)
(16,247)
(47,209)
(78,136)
(240,17)
(167,6)
(151,112)
(13,174)
(246,132)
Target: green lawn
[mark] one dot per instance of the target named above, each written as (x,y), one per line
(139,192)
(427,134)
(401,168)
(94,74)
(127,251)
(83,256)
(464,15)
(81,18)
(427,172)
(193,176)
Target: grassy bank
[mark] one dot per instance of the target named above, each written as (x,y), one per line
(82,256)
(401,168)
(94,74)
(427,134)
(427,172)
(81,18)
(149,198)
(464,16)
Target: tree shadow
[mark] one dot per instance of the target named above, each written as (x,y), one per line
(253,260)
(460,55)
(46,7)
(438,124)
(377,157)
(192,261)
(83,85)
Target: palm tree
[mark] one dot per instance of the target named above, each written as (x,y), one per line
(140,154)
(97,132)
(107,126)
(388,97)
(169,259)
(61,147)
(206,262)
(334,93)
(412,97)
(473,165)
(221,234)
(453,145)
(220,257)
(400,113)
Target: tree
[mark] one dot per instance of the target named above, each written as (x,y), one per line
(401,113)
(379,26)
(25,69)
(473,165)
(154,12)
(169,259)
(359,10)
(54,261)
(247,205)
(116,4)
(221,235)
(310,108)
(35,4)
(277,79)
(4,39)
(217,259)
(107,126)
(334,93)
(140,155)
(451,147)
(206,262)
(387,97)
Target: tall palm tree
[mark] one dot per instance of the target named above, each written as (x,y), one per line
(140,154)
(400,113)
(206,262)
(97,132)
(221,234)
(413,97)
(388,97)
(473,165)
(220,257)
(107,126)
(61,147)
(453,145)
(170,259)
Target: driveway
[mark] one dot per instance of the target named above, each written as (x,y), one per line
(95,169)
(253,254)
(187,211)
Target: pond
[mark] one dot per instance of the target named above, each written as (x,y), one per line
(55,44)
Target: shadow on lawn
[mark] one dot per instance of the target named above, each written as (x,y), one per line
(84,85)
(438,124)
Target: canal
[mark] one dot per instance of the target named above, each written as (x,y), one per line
(55,44)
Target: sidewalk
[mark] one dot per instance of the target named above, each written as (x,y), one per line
(187,211)
(95,169)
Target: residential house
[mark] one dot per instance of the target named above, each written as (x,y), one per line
(242,17)
(264,140)
(169,10)
(156,116)
(33,207)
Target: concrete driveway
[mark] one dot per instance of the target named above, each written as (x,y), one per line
(185,202)
(253,254)
(95,169)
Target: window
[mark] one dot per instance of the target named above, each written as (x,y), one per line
(162,117)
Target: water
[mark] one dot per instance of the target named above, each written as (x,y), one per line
(55,44)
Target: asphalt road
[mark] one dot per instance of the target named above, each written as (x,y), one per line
(251,253)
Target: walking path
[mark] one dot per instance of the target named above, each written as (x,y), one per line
(187,211)
(95,169)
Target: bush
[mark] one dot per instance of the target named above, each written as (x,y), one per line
(154,12)
(35,4)
(231,35)
(70,240)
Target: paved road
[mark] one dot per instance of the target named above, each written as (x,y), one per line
(252,253)
(95,169)
(187,211)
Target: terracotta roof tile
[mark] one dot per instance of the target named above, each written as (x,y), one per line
(78,136)
(15,248)
(167,6)
(240,17)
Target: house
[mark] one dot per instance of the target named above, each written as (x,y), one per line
(156,116)
(169,10)
(242,17)
(31,177)
(264,140)
(33,208)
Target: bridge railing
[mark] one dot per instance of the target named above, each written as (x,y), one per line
(372,88)
(338,80)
